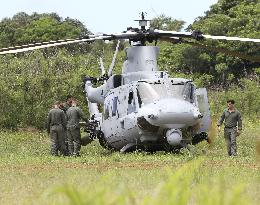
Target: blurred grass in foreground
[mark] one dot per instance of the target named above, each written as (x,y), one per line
(201,175)
(184,186)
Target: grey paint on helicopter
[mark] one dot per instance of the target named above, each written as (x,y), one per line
(147,97)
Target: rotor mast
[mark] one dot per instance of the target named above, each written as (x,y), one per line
(143,21)
(143,25)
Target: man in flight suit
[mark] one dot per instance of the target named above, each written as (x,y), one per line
(56,124)
(74,114)
(65,106)
(233,126)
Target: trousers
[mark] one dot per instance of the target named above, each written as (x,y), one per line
(230,135)
(74,142)
(57,140)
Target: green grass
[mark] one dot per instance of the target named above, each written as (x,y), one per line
(203,175)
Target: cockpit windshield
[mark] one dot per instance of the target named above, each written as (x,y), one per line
(184,91)
(176,90)
(149,92)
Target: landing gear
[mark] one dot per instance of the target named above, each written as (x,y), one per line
(103,141)
(200,137)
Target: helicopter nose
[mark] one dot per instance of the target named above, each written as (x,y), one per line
(173,113)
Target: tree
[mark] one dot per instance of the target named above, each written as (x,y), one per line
(23,28)
(167,23)
(229,18)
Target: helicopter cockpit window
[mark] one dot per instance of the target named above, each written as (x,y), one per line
(182,91)
(161,89)
(188,92)
(149,92)
(131,103)
(176,90)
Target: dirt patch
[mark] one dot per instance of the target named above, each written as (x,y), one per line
(28,129)
(228,163)
(101,166)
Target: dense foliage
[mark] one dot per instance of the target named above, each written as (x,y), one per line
(31,82)
(228,18)
(163,22)
(23,29)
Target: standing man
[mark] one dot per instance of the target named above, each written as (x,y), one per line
(56,124)
(65,106)
(74,114)
(233,126)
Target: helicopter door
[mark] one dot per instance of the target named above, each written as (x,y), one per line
(203,104)
(110,125)
(130,118)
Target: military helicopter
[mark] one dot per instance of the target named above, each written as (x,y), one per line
(143,108)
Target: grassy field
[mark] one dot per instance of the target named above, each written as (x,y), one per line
(203,175)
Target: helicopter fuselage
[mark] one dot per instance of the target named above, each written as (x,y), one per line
(144,108)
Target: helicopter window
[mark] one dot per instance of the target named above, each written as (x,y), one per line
(176,90)
(131,103)
(201,103)
(106,113)
(117,80)
(183,91)
(130,97)
(114,108)
(148,92)
(161,89)
(139,98)
(188,92)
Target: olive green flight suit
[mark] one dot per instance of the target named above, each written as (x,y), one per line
(56,123)
(233,122)
(74,114)
(66,106)
(65,109)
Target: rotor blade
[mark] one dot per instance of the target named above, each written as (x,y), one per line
(211,48)
(30,47)
(231,38)
(163,34)
(19,50)
(226,51)
(44,43)
(198,35)
(113,60)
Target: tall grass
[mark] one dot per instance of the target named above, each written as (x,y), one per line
(204,174)
(186,185)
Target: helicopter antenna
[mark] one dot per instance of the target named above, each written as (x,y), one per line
(143,21)
(113,60)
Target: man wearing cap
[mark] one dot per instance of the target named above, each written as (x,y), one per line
(74,114)
(233,126)
(56,124)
